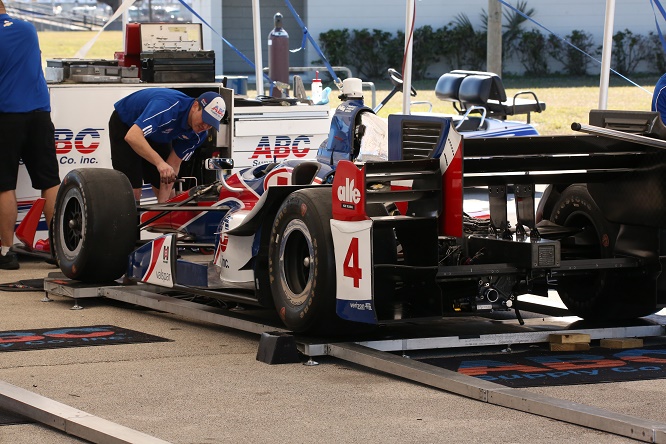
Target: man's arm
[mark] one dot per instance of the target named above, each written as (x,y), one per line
(138,142)
(165,191)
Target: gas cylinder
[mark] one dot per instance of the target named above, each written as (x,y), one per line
(278,54)
(316,89)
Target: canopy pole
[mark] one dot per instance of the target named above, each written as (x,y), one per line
(494,38)
(606,54)
(407,68)
(258,62)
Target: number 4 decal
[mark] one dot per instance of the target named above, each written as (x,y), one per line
(353,271)
(353,259)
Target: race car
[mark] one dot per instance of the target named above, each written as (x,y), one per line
(375,241)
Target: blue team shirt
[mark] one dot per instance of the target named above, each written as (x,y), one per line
(162,115)
(22,84)
(659,98)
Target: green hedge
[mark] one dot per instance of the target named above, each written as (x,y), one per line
(461,46)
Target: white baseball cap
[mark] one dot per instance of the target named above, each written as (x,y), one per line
(212,108)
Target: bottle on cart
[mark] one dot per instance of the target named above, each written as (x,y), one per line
(316,89)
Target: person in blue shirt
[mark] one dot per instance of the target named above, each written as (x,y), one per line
(27,131)
(659,98)
(154,129)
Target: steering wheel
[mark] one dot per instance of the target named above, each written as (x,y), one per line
(396,79)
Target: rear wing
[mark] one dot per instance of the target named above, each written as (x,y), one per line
(645,123)
(625,172)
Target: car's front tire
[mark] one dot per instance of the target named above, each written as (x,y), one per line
(94,224)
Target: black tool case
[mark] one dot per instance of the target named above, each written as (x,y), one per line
(85,67)
(178,66)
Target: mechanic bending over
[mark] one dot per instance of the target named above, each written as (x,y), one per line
(154,129)
(25,125)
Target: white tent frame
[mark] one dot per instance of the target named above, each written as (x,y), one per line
(407,73)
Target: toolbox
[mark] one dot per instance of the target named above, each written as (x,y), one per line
(95,73)
(168,53)
(170,37)
(178,66)
(83,70)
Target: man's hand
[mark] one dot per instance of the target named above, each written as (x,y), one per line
(168,169)
(167,173)
(140,145)
(166,191)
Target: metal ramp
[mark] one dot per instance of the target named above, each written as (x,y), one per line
(473,334)
(516,399)
(375,354)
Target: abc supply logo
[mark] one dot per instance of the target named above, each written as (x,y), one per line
(532,369)
(218,111)
(281,149)
(68,336)
(76,148)
(36,339)
(349,195)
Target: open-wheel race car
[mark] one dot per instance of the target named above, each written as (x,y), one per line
(378,237)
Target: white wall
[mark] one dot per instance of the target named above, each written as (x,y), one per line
(211,12)
(561,16)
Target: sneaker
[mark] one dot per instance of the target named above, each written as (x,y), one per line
(43,245)
(9,261)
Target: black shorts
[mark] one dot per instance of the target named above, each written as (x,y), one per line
(127,161)
(30,138)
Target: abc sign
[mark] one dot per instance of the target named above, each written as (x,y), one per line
(85,141)
(282,147)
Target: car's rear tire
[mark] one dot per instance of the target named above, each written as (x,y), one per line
(301,262)
(94,224)
(588,295)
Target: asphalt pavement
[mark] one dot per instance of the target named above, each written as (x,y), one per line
(206,386)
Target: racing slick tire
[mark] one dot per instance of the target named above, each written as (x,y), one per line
(586,295)
(301,262)
(94,224)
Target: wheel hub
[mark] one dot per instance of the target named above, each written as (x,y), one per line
(296,265)
(72,222)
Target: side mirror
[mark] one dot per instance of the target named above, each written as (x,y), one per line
(219,163)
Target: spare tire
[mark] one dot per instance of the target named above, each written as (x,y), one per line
(94,224)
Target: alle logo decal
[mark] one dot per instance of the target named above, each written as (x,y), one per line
(349,194)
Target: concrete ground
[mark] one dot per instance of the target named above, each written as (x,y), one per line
(206,386)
